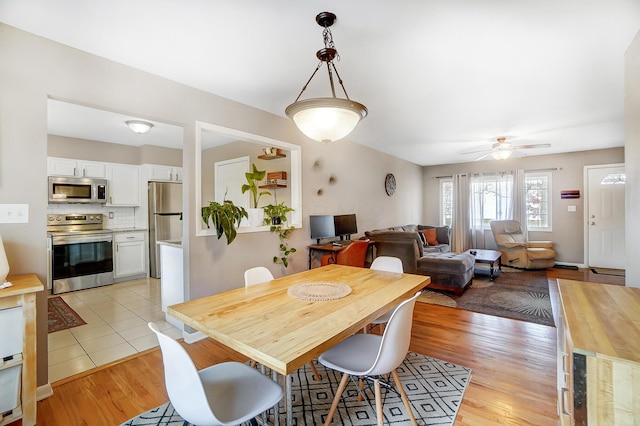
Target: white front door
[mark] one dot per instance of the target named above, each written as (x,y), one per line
(605,213)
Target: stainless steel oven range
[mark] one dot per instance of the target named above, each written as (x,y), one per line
(80,252)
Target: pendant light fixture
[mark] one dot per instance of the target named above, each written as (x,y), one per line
(326,119)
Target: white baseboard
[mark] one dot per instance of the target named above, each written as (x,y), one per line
(44,391)
(192,337)
(579,265)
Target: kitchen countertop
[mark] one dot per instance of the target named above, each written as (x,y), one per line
(128,229)
(171,243)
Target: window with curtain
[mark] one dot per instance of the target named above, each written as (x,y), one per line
(491,199)
(446,201)
(538,200)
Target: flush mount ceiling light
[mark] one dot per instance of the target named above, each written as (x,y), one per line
(139,126)
(326,119)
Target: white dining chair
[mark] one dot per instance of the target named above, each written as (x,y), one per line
(389,264)
(260,274)
(228,393)
(371,355)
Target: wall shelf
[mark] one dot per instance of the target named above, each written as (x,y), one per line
(272,156)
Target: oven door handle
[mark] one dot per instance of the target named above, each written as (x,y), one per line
(77,239)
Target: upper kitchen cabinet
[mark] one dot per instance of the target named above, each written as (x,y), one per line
(79,168)
(156,172)
(124,184)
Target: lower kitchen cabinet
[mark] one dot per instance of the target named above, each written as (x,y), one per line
(129,254)
(598,354)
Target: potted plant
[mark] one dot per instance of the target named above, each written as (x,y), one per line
(276,217)
(225,218)
(255,215)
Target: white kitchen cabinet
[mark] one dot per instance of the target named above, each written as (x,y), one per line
(164,173)
(78,168)
(124,184)
(130,254)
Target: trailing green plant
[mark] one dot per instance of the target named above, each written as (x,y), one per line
(276,217)
(253,178)
(225,218)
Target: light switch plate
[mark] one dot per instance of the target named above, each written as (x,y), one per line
(14,213)
(572,208)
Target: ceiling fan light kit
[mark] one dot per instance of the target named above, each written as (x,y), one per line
(503,149)
(326,119)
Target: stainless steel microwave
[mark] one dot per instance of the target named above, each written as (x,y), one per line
(77,190)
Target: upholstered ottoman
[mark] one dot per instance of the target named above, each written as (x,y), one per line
(448,271)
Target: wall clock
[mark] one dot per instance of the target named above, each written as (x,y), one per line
(390,184)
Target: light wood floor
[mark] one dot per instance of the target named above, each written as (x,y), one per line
(513,380)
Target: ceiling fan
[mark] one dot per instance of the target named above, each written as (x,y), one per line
(503,149)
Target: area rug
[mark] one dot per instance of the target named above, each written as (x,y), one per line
(61,316)
(435,389)
(523,296)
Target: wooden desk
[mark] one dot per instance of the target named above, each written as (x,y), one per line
(330,248)
(284,333)
(325,248)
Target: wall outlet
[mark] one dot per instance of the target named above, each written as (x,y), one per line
(111,215)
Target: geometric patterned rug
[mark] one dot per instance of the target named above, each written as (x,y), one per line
(434,388)
(523,296)
(61,316)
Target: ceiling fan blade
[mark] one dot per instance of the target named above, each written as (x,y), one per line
(477,151)
(482,157)
(539,145)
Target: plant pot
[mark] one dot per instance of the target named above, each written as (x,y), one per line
(275,220)
(256,218)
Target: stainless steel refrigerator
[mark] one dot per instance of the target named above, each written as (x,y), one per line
(165,224)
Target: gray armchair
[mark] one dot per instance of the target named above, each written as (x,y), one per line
(517,251)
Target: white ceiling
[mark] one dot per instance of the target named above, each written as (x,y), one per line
(439,77)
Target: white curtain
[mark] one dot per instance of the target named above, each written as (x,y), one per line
(520,203)
(460,235)
(491,197)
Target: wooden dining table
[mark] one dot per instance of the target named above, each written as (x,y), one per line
(283,332)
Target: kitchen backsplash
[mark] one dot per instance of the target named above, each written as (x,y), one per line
(123,217)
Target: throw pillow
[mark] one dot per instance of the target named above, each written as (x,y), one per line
(423,239)
(430,236)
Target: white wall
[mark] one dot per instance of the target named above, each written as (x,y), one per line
(632,155)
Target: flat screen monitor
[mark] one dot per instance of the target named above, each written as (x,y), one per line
(322,227)
(345,225)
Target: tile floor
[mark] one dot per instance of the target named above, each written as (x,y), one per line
(116,317)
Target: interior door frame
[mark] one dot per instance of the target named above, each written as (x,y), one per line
(585,206)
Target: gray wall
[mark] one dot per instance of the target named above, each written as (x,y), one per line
(83,149)
(567,227)
(632,153)
(34,69)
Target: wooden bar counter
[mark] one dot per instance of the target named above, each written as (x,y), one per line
(598,354)
(23,294)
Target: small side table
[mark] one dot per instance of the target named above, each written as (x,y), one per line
(489,257)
